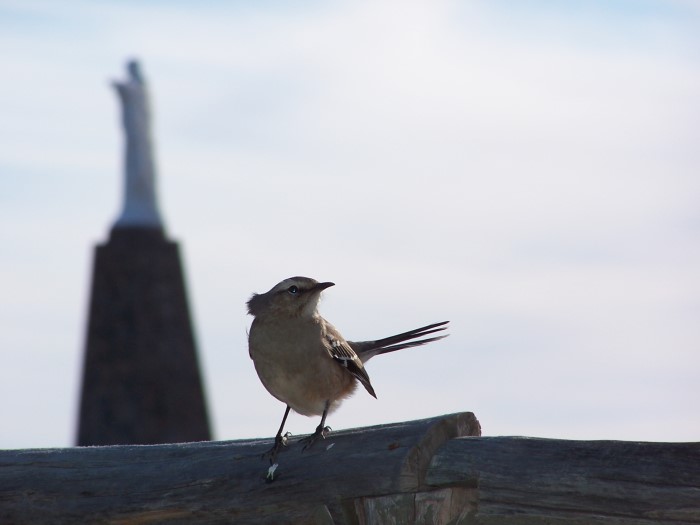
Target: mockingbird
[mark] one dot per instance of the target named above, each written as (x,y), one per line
(304,361)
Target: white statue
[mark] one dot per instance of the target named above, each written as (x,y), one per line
(140,206)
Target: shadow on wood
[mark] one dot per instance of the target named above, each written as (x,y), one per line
(424,471)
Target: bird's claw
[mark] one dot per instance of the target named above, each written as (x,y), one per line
(280,443)
(320,433)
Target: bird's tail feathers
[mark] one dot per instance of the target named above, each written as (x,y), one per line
(368,349)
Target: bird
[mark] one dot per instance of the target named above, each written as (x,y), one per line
(304,361)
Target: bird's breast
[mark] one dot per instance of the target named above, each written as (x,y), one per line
(295,367)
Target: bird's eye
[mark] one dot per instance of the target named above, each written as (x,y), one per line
(293,290)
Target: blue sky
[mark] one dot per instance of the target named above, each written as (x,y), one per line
(525,169)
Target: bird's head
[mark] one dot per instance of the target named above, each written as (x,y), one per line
(293,297)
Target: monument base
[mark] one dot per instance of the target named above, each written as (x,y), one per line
(141,377)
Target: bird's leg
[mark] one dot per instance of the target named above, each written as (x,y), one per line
(280,440)
(321,431)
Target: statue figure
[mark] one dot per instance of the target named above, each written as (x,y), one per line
(140,205)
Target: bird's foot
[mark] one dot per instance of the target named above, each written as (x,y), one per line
(281,441)
(316,436)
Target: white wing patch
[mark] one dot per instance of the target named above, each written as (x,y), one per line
(340,352)
(345,356)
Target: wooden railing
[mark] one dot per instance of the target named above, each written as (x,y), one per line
(435,471)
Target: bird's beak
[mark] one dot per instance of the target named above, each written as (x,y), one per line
(322,286)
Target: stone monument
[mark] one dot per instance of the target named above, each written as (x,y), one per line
(140,206)
(141,379)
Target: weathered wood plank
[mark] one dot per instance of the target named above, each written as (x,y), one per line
(419,472)
(527,480)
(435,507)
(222,482)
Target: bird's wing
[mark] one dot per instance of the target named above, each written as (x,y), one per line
(339,349)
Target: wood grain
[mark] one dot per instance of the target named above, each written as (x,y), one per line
(431,471)
(222,482)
